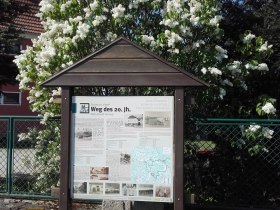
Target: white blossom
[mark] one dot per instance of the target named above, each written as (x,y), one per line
(222,93)
(243,85)
(264,47)
(98,20)
(268,108)
(46,6)
(267,133)
(220,49)
(194,20)
(204,70)
(195,6)
(262,67)
(110,36)
(198,43)
(227,82)
(148,40)
(235,67)
(250,66)
(222,53)
(248,38)
(118,11)
(82,30)
(185,30)
(173,38)
(93,6)
(253,128)
(174,5)
(216,20)
(170,23)
(215,71)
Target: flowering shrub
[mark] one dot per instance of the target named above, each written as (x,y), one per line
(185,32)
(257,134)
(266,107)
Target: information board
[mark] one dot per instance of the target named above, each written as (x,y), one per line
(123,148)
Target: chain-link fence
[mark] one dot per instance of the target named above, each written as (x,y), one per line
(227,162)
(233,162)
(19,165)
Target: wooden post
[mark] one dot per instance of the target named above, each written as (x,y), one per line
(64,198)
(179,149)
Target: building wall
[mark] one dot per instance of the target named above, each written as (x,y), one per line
(21,109)
(31,27)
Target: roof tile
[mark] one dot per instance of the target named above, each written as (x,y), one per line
(27,21)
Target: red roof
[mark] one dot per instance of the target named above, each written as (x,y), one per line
(27,21)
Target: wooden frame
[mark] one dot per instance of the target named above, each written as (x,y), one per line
(91,71)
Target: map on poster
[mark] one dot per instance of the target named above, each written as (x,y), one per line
(122,148)
(150,165)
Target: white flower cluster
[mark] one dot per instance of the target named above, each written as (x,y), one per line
(110,36)
(264,47)
(148,40)
(260,67)
(134,4)
(222,93)
(235,67)
(268,108)
(253,128)
(92,7)
(227,82)
(65,6)
(82,30)
(172,38)
(98,20)
(174,5)
(170,23)
(212,70)
(264,131)
(267,133)
(248,38)
(198,44)
(222,53)
(215,21)
(46,6)
(118,11)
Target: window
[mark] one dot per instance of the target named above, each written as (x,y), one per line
(10,98)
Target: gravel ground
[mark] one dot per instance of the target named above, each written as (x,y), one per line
(19,204)
(22,204)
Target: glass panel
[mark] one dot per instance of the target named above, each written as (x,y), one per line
(11,98)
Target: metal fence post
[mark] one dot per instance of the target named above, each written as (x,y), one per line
(10,154)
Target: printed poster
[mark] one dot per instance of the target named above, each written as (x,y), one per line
(123,148)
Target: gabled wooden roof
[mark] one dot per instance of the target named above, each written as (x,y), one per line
(123,63)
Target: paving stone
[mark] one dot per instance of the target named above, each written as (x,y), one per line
(116,205)
(9,200)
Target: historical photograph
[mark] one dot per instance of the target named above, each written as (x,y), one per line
(83,134)
(125,158)
(163,191)
(157,119)
(99,173)
(134,120)
(112,188)
(80,187)
(129,190)
(145,190)
(96,188)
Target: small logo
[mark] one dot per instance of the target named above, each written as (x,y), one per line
(84,107)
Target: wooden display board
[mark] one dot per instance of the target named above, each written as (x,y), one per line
(122,63)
